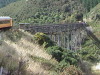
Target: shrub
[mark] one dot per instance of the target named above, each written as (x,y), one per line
(70,57)
(66,8)
(91,55)
(97,17)
(64,57)
(62,64)
(56,52)
(79,17)
(14,35)
(53,48)
(43,39)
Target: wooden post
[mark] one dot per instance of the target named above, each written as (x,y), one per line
(80,38)
(64,40)
(51,36)
(61,39)
(71,40)
(68,39)
(54,37)
(75,41)
(58,41)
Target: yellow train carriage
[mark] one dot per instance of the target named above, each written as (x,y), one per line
(5,22)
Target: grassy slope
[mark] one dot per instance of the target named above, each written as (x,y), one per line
(12,9)
(95,23)
(96,10)
(39,62)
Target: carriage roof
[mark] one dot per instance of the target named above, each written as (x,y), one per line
(5,18)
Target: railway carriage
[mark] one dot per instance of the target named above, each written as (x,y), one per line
(5,22)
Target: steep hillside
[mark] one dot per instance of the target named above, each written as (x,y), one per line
(46,11)
(25,49)
(42,11)
(19,45)
(89,4)
(93,18)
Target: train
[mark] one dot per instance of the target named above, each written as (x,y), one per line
(5,22)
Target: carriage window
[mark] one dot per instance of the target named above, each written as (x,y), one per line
(4,22)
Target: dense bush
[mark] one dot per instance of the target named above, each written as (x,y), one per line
(70,57)
(97,17)
(79,17)
(66,8)
(56,52)
(90,55)
(14,35)
(43,39)
(64,57)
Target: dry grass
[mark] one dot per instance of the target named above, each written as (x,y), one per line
(23,48)
(96,69)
